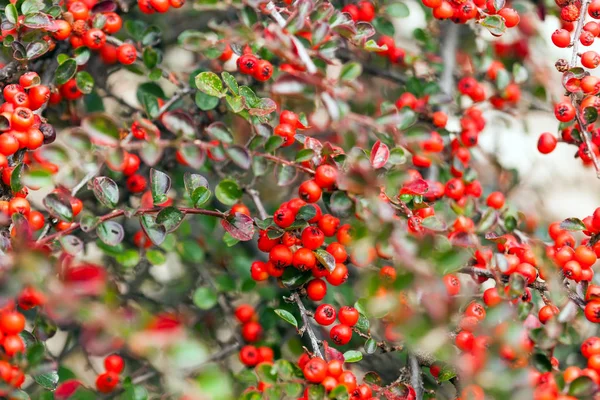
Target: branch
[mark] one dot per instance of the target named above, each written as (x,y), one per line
(119,213)
(448,54)
(306,326)
(416,380)
(580,22)
(255,196)
(539,286)
(8,72)
(179,94)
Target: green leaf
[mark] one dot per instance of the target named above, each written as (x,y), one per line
(134,392)
(170,217)
(48,380)
(209,83)
(228,192)
(150,57)
(351,71)
(273,143)
(541,362)
(495,24)
(59,206)
(150,104)
(11,13)
(370,346)
(305,155)
(220,132)
(230,82)
(572,224)
(306,213)
(434,223)
(157,233)
(287,317)
(239,156)
(316,392)
(110,232)
(15,178)
(65,71)
(205,298)
(352,356)
(206,102)
(84,81)
(106,191)
(82,55)
(160,183)
(156,257)
(397,10)
(325,259)
(582,387)
(590,114)
(37,20)
(200,196)
(36,49)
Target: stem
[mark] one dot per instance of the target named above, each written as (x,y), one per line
(306,326)
(255,196)
(580,22)
(449,45)
(84,181)
(179,94)
(119,213)
(416,380)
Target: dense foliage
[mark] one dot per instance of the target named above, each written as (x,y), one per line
(300,211)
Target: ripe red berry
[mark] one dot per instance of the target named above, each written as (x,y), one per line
(592,311)
(547,312)
(94,39)
(309,191)
(464,340)
(249,355)
(106,382)
(312,237)
(564,111)
(547,143)
(304,259)
(325,314)
(315,370)
(495,200)
(325,176)
(340,334)
(281,256)
(284,217)
(114,363)
(348,315)
(338,252)
(258,271)
(251,331)
(12,322)
(247,64)
(263,71)
(329,224)
(245,313)
(590,59)
(316,289)
(126,54)
(511,17)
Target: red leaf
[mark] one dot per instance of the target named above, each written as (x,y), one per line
(331,353)
(239,226)
(379,154)
(417,186)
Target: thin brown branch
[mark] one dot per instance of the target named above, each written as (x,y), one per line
(307,326)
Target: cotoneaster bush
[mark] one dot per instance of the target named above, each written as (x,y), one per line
(298,215)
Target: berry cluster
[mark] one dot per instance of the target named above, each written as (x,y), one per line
(288,124)
(159,6)
(363,11)
(331,374)
(251,332)
(249,64)
(107,381)
(12,323)
(462,11)
(348,316)
(393,53)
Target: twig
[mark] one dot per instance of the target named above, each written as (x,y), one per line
(416,380)
(575,43)
(9,71)
(255,196)
(448,53)
(178,95)
(306,325)
(119,213)
(84,181)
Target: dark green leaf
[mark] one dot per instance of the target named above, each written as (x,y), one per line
(170,217)
(110,232)
(160,183)
(205,298)
(106,191)
(228,192)
(287,316)
(572,224)
(65,71)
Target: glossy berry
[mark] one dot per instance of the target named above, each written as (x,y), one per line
(114,363)
(126,54)
(315,370)
(325,314)
(249,355)
(325,176)
(245,313)
(547,143)
(495,200)
(316,289)
(247,64)
(12,322)
(309,191)
(348,315)
(340,334)
(106,382)
(312,238)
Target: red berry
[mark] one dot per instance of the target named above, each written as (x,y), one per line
(348,315)
(325,314)
(315,370)
(316,289)
(114,363)
(547,143)
(340,334)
